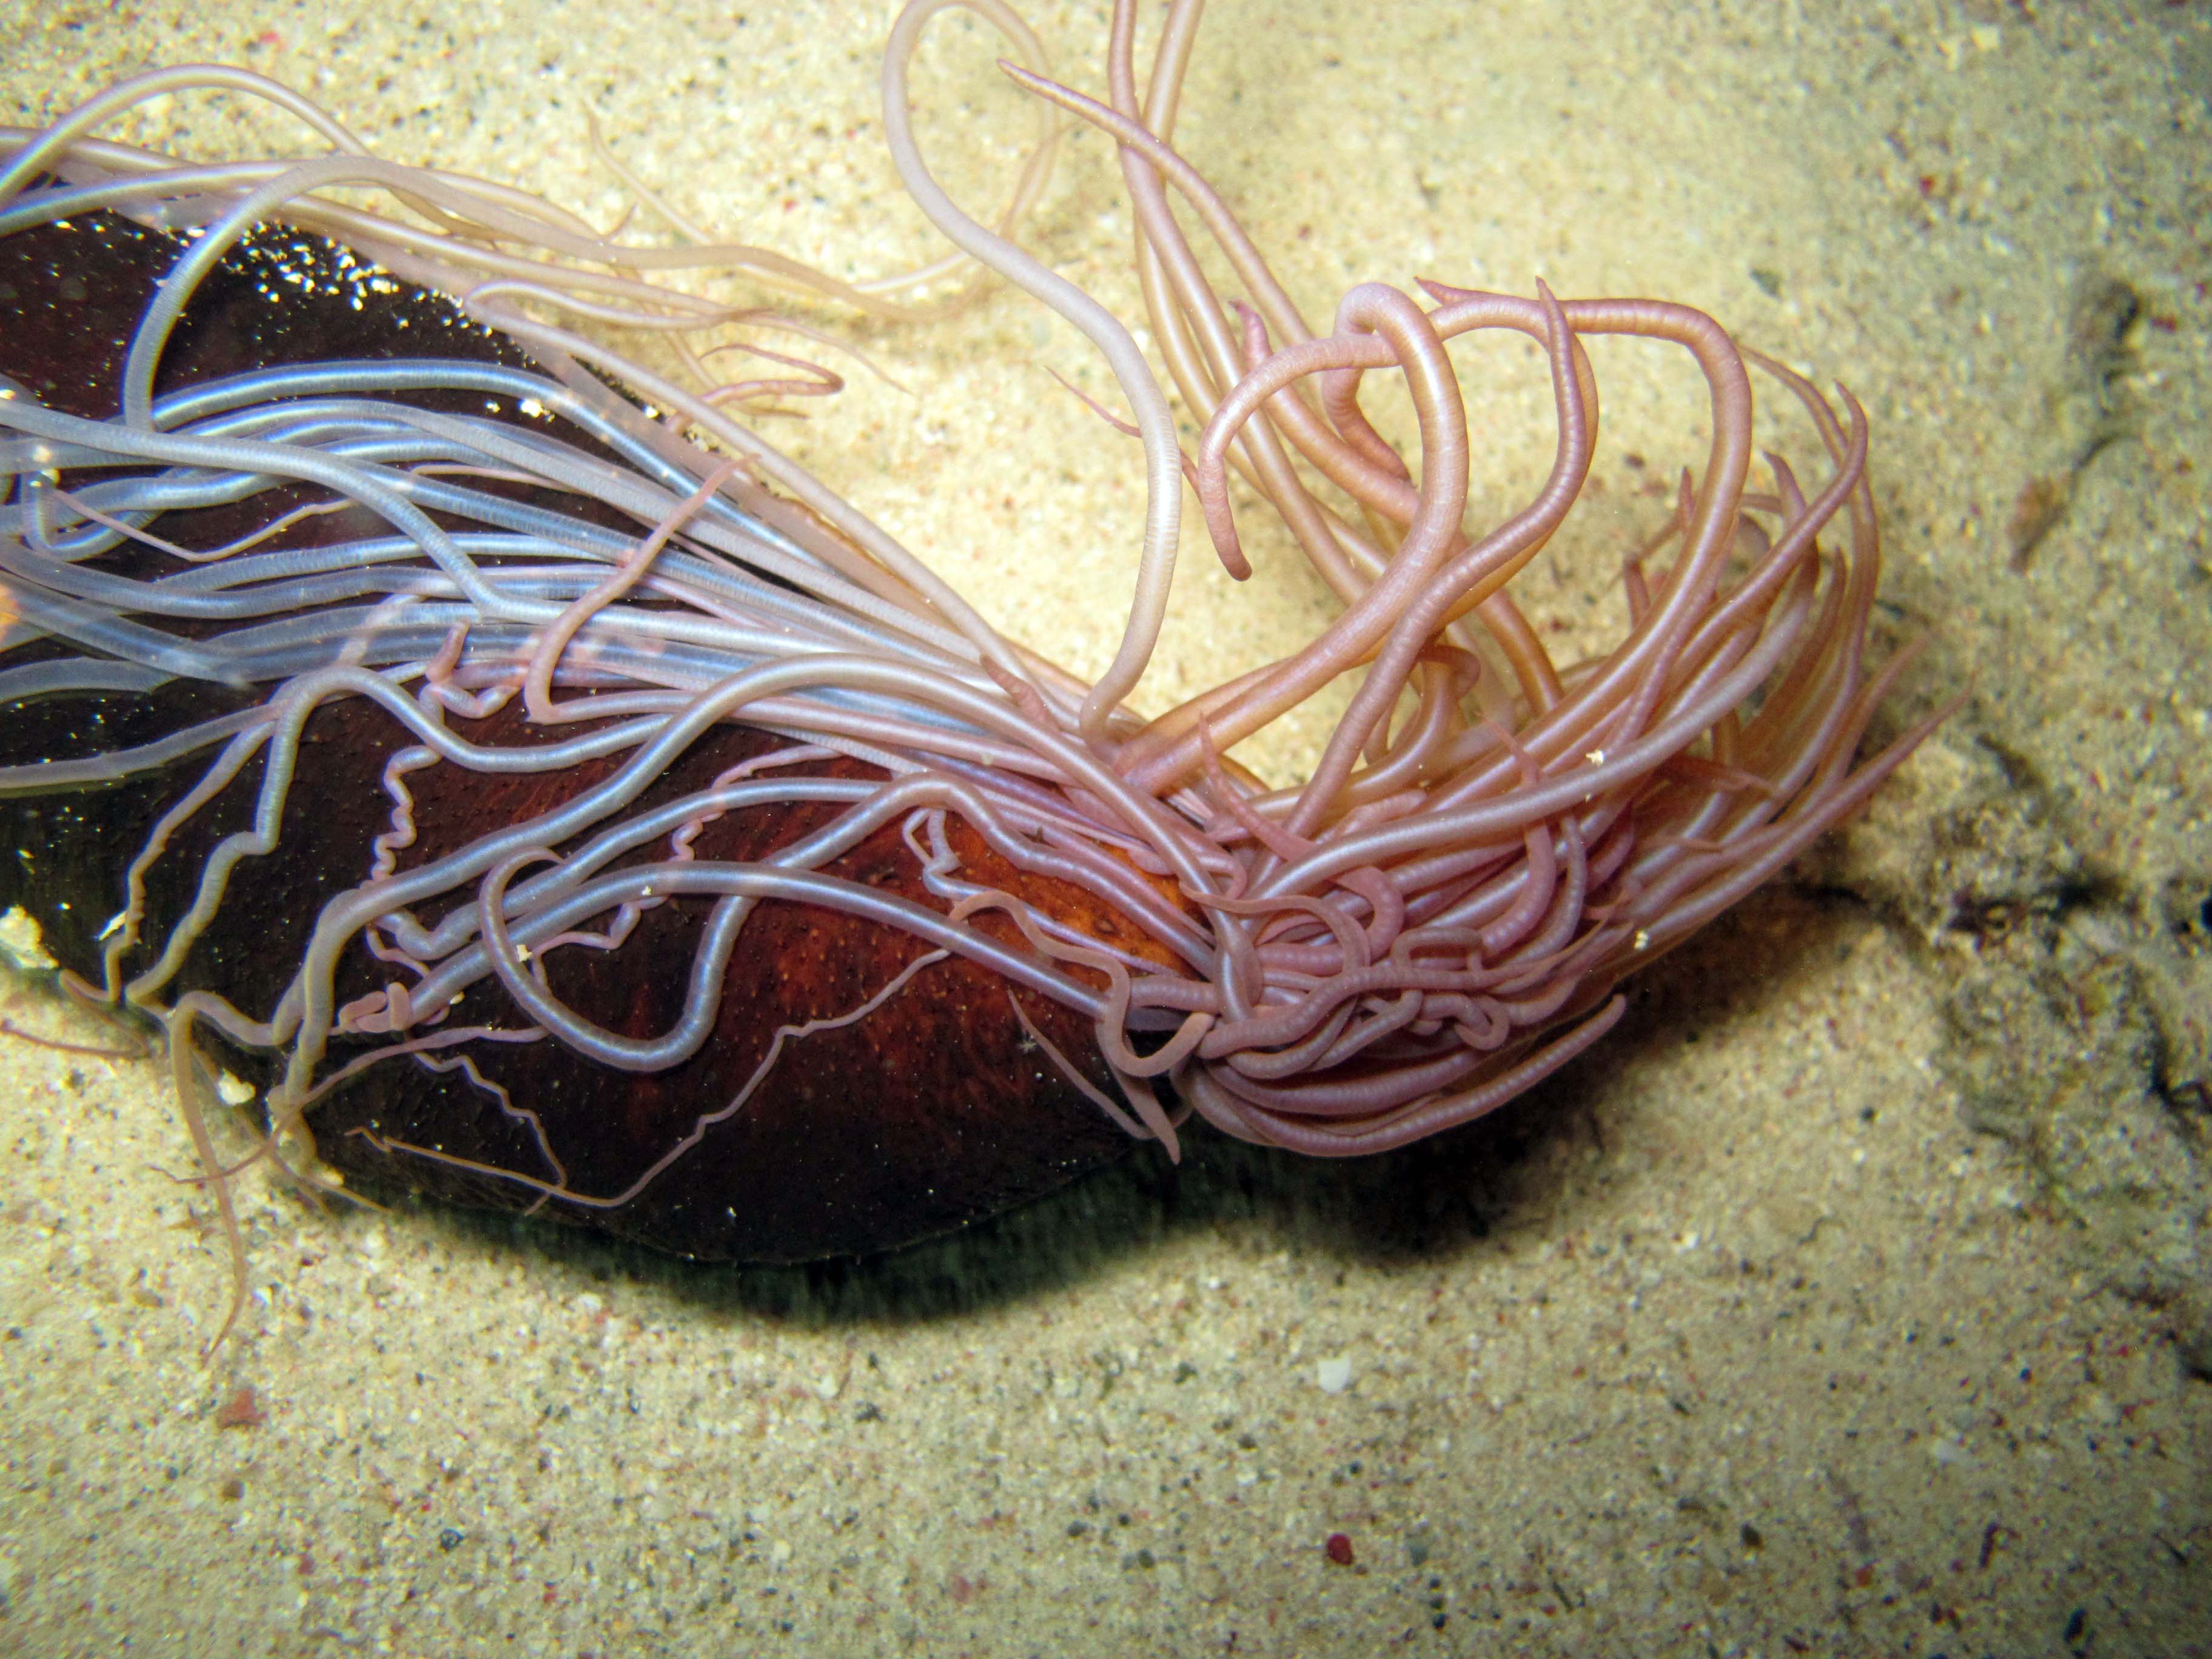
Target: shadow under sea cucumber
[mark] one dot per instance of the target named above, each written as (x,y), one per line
(557,801)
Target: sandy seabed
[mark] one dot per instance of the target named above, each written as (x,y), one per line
(1852,1299)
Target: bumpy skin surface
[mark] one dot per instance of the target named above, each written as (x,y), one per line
(933,1111)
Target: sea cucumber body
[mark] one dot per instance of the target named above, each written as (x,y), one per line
(936,1109)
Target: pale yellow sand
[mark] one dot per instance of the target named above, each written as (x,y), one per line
(1740,1338)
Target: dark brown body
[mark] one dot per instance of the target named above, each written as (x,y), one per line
(933,1111)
